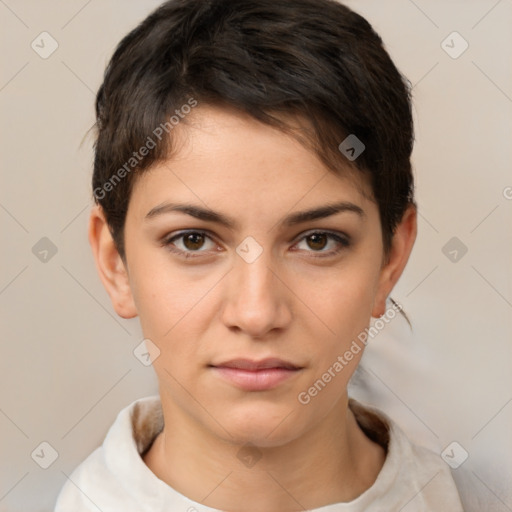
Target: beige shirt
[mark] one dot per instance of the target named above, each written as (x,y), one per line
(114,478)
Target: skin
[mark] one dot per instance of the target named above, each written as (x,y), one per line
(289,303)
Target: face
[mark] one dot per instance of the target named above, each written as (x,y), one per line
(250,300)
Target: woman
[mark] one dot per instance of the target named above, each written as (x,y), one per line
(254,209)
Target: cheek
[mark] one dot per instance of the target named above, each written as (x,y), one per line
(346,300)
(176,306)
(165,295)
(344,306)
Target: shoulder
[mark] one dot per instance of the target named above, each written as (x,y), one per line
(104,479)
(87,485)
(413,477)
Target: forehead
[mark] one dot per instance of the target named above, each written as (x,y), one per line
(221,156)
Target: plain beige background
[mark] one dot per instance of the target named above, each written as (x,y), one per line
(67,362)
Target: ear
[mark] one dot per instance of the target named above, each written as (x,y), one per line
(110,265)
(401,247)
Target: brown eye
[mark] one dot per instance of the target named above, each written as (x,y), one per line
(323,243)
(317,241)
(190,244)
(193,241)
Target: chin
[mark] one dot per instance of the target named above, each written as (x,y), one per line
(263,425)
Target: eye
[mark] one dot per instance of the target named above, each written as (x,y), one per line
(324,242)
(190,244)
(187,243)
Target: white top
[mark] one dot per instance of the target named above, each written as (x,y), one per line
(114,478)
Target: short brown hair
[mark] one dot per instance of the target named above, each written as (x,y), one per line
(311,58)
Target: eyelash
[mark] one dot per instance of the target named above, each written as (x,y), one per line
(343,241)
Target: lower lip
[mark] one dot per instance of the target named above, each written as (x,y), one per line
(255,380)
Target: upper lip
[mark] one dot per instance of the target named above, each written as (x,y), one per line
(250,364)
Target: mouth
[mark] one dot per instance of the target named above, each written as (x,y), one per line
(251,375)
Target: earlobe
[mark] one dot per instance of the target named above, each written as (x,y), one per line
(111,267)
(401,247)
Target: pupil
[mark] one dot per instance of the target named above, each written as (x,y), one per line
(318,241)
(193,241)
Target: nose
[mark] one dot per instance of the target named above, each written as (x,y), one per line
(256,299)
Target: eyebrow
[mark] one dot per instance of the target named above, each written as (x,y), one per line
(207,214)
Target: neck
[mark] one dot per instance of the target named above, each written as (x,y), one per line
(333,462)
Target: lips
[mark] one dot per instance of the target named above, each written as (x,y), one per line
(250,375)
(251,365)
